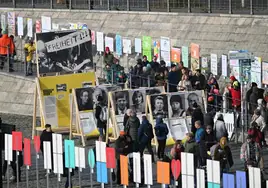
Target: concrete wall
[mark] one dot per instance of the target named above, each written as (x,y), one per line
(16,94)
(214,32)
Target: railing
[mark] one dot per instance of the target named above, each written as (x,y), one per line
(195,6)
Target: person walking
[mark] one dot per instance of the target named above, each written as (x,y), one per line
(220,128)
(145,134)
(132,128)
(161,131)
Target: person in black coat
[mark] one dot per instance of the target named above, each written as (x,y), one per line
(209,118)
(101,116)
(197,115)
(209,137)
(199,80)
(47,136)
(173,79)
(253,100)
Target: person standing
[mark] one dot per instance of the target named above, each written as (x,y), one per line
(261,124)
(101,116)
(7,47)
(173,79)
(220,128)
(161,132)
(197,115)
(132,128)
(108,57)
(30,50)
(191,146)
(199,80)
(145,134)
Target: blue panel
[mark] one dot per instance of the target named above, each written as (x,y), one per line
(241,180)
(228,181)
(102,176)
(69,153)
(118,43)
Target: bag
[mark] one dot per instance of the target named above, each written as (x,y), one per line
(148,133)
(103,114)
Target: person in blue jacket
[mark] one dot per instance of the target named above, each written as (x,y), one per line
(161,132)
(199,139)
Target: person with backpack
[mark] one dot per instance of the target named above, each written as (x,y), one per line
(145,134)
(101,116)
(161,132)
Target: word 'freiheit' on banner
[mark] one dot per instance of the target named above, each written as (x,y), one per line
(200,178)
(176,168)
(57,153)
(68,41)
(241,179)
(8,147)
(69,154)
(110,157)
(91,158)
(17,141)
(27,152)
(102,172)
(148,176)
(37,144)
(187,169)
(47,155)
(101,151)
(124,169)
(228,181)
(80,158)
(163,173)
(137,167)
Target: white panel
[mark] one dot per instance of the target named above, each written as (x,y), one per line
(57,143)
(100,151)
(8,147)
(251,177)
(209,171)
(216,172)
(57,163)
(200,176)
(187,181)
(257,177)
(47,155)
(76,151)
(184,163)
(266,183)
(82,153)
(137,167)
(100,42)
(148,177)
(190,164)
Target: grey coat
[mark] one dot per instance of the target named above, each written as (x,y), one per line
(220,130)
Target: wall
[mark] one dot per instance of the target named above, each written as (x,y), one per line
(215,33)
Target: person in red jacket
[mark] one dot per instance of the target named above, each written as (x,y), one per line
(254,130)
(236,95)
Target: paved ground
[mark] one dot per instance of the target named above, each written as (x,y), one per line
(23,123)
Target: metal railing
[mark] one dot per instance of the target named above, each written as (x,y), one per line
(195,6)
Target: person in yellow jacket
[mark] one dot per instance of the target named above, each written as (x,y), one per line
(29,51)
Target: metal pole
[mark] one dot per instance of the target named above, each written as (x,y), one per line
(27,177)
(111,179)
(17,167)
(51,4)
(47,178)
(242,112)
(209,6)
(14,3)
(70,4)
(230,6)
(189,6)
(108,4)
(251,7)
(148,5)
(8,58)
(37,172)
(148,81)
(128,8)
(32,3)
(168,8)
(89,4)
(130,81)
(1,170)
(79,174)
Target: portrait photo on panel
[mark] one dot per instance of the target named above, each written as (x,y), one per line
(193,100)
(159,106)
(177,105)
(138,100)
(100,95)
(84,98)
(121,101)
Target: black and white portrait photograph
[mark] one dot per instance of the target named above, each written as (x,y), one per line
(64,51)
(193,100)
(159,106)
(138,100)
(84,98)
(100,93)
(177,105)
(121,101)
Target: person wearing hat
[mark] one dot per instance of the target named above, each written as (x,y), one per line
(108,57)
(250,153)
(173,79)
(232,80)
(236,95)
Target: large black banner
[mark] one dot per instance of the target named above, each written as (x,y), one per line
(64,51)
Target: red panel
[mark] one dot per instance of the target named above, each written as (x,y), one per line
(17,141)
(110,158)
(27,152)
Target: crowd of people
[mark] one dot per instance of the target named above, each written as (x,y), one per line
(208,139)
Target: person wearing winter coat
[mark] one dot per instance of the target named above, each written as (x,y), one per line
(253,100)
(209,137)
(145,134)
(199,80)
(220,128)
(200,132)
(191,146)
(161,131)
(173,79)
(184,84)
(259,119)
(199,139)
(137,72)
(108,57)
(126,116)
(101,116)
(236,95)
(254,131)
(221,152)
(197,115)
(132,128)
(208,118)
